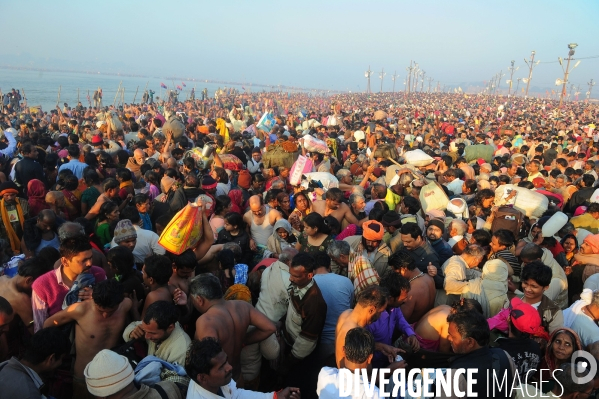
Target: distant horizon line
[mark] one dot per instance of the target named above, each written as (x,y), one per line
(188,79)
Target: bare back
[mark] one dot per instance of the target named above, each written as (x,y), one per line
(344,324)
(433,326)
(227,321)
(20,302)
(94,332)
(421,298)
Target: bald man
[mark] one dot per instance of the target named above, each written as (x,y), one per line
(260,221)
(134,163)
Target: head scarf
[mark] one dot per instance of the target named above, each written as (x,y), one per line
(236,201)
(592,240)
(239,292)
(373,230)
(36,193)
(166,183)
(549,357)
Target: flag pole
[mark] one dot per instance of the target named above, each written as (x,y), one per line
(117,93)
(135,96)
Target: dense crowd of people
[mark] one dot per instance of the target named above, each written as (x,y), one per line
(358,231)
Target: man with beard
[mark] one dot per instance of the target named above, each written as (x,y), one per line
(332,205)
(422,253)
(357,204)
(370,246)
(14,212)
(370,304)
(434,234)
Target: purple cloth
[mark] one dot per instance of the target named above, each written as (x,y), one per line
(383,330)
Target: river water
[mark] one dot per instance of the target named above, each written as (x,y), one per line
(41,87)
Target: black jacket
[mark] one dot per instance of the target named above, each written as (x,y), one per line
(25,170)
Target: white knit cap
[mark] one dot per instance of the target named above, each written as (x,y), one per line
(108,373)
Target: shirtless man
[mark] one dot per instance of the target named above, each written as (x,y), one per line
(227,321)
(99,325)
(421,297)
(432,330)
(260,221)
(183,270)
(156,274)
(17,290)
(370,303)
(332,205)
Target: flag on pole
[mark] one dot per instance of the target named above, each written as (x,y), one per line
(183,83)
(179,88)
(243,87)
(163,85)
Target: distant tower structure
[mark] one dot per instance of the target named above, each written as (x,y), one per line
(367,75)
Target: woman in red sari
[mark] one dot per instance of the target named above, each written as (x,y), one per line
(36,193)
(236,201)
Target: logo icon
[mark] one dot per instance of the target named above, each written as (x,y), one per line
(588,364)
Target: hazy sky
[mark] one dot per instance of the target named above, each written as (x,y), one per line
(324,44)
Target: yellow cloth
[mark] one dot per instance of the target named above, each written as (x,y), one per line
(125,184)
(221,127)
(238,292)
(15,242)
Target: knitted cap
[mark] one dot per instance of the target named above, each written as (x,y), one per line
(437,223)
(208,183)
(108,373)
(124,230)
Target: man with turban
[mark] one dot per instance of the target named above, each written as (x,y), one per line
(14,212)
(370,247)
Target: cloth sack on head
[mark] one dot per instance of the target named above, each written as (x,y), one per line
(166,183)
(108,373)
(459,208)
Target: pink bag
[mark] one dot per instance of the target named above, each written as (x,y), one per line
(301,166)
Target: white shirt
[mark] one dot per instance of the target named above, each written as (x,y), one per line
(328,386)
(147,245)
(229,391)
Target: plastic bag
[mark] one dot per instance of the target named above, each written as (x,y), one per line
(266,123)
(184,231)
(418,158)
(314,145)
(301,166)
(433,197)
